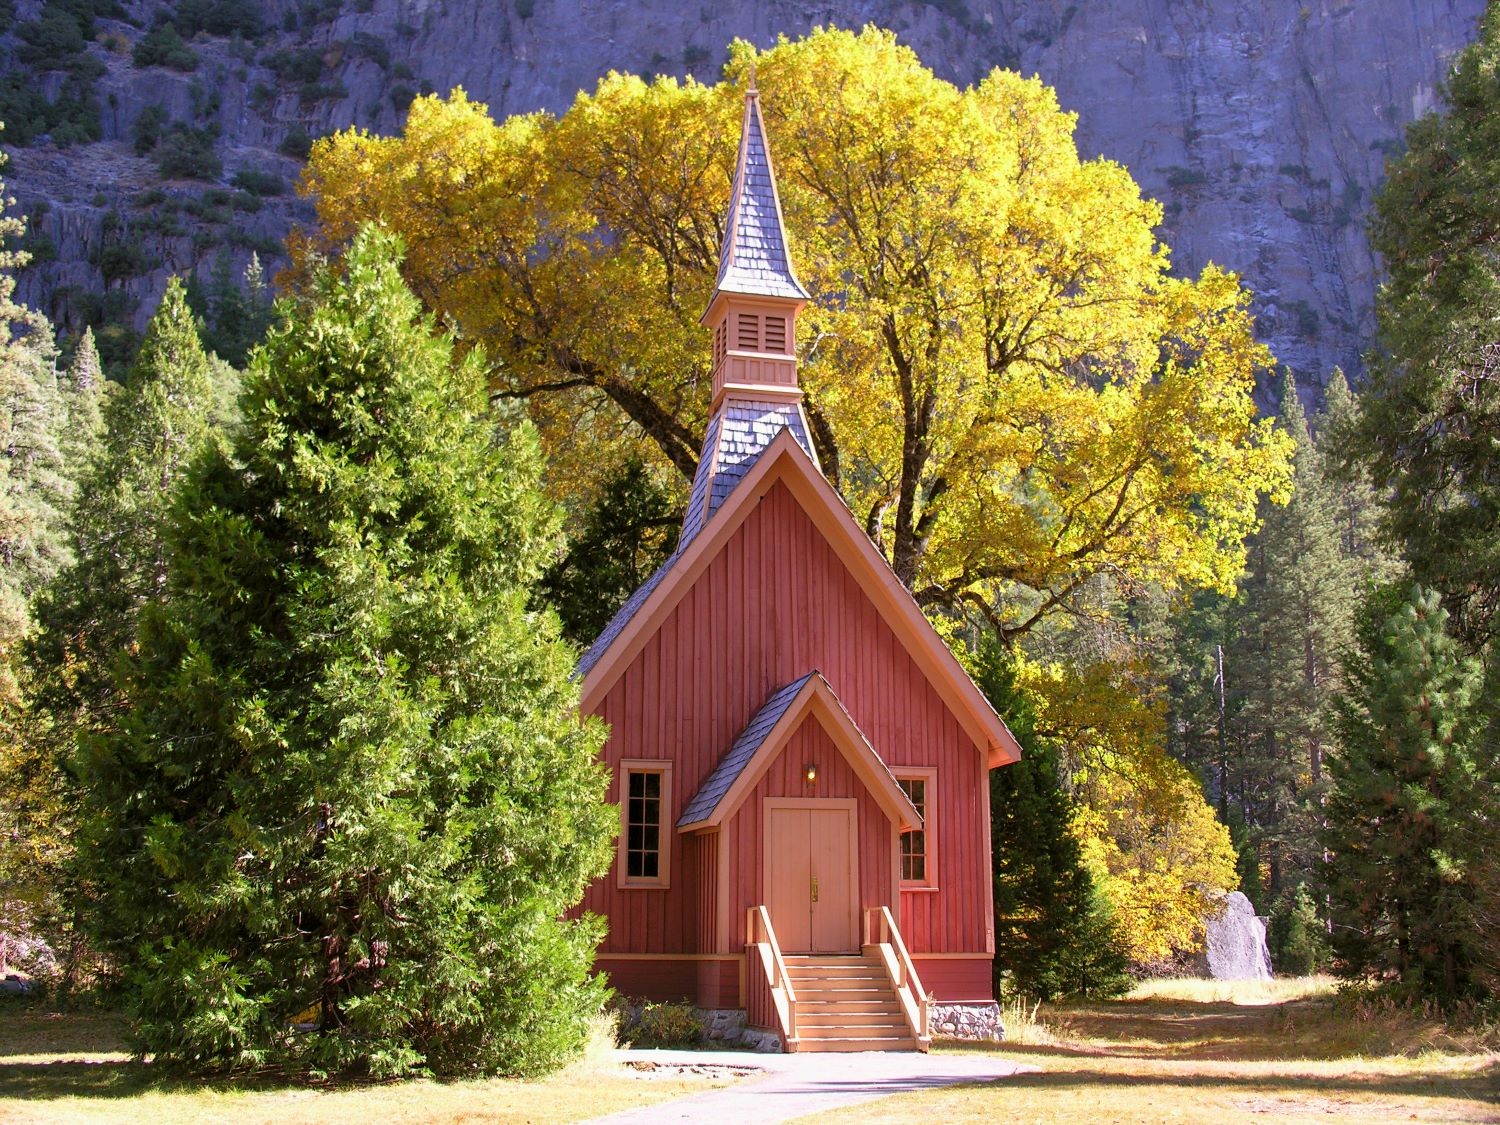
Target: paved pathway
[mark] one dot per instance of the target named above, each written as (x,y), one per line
(794,1085)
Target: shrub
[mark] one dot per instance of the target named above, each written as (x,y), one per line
(296,144)
(1295,936)
(162,46)
(371,47)
(51,42)
(666,1024)
(257,182)
(188,154)
(147,130)
(220,17)
(120,260)
(401,96)
(302,66)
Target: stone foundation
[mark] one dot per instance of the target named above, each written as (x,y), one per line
(977,1022)
(725,1027)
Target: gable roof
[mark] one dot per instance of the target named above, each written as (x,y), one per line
(753,258)
(763,738)
(785,461)
(744,748)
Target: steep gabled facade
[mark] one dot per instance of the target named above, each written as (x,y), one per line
(800,762)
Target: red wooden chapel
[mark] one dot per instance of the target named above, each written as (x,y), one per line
(800,762)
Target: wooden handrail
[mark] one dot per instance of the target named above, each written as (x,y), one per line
(760,933)
(899,966)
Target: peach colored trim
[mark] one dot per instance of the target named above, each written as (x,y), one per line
(817,699)
(785,461)
(664,833)
(722,906)
(929,825)
(670,957)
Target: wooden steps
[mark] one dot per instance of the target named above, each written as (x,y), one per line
(845,1002)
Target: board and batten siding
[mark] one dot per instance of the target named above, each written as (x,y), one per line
(774,604)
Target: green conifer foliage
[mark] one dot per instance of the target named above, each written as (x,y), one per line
(1054,933)
(1432,403)
(1411,818)
(625,536)
(153,429)
(352,799)
(83,391)
(35,491)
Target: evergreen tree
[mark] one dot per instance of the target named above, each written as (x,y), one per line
(236,312)
(154,427)
(1295,936)
(625,536)
(1054,933)
(83,390)
(34,490)
(1252,674)
(1431,405)
(1411,817)
(34,496)
(1300,602)
(352,790)
(1356,507)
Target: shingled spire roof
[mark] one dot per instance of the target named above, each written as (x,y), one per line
(754,258)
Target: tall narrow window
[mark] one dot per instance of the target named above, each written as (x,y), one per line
(747,332)
(776,334)
(721,342)
(645,832)
(916,843)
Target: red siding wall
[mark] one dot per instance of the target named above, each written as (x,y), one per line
(775,604)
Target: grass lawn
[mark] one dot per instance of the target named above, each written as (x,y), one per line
(74,1068)
(1200,1051)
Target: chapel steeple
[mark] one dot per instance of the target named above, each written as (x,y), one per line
(753,317)
(753,312)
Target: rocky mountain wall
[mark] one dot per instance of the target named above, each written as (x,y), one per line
(1262,125)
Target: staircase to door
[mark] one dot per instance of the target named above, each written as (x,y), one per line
(866,1001)
(847,1003)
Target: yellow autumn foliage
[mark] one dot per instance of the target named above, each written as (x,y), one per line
(1163,860)
(1151,841)
(1005,382)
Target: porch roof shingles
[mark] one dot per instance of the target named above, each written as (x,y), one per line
(741,752)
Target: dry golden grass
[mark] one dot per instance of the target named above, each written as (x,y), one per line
(74,1070)
(1194,1051)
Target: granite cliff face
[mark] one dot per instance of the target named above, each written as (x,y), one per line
(1261,125)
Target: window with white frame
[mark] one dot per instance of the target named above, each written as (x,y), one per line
(645,823)
(917,843)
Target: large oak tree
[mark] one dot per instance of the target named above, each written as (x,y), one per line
(1006,383)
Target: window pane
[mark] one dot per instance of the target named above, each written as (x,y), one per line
(643,815)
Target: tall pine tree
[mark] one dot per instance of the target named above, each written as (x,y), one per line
(1411,818)
(1431,405)
(352,794)
(1054,933)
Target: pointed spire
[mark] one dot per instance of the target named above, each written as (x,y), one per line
(754,259)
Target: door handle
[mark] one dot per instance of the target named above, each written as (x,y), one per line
(815,888)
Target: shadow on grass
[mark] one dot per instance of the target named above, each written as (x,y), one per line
(1481,1086)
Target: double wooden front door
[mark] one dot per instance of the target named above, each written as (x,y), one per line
(812,875)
